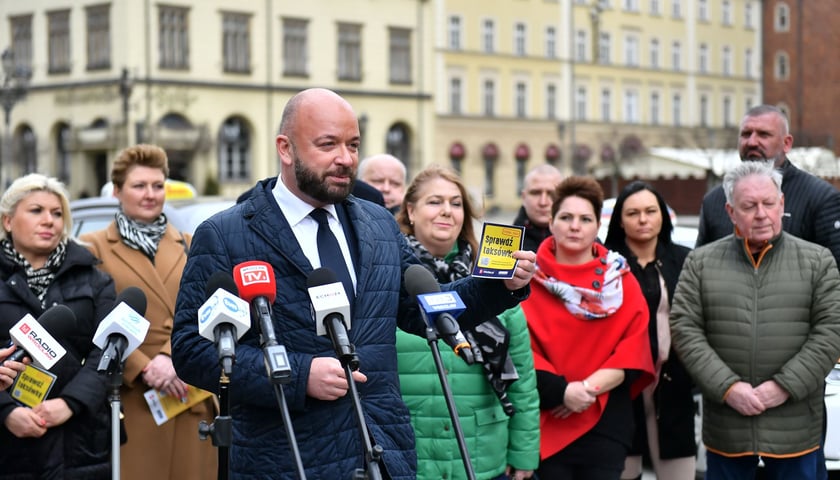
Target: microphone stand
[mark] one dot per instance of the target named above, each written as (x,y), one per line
(277,365)
(111,364)
(221,430)
(432,337)
(350,361)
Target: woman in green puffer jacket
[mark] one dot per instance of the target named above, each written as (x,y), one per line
(436,217)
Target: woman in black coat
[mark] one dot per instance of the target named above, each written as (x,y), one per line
(640,229)
(67,434)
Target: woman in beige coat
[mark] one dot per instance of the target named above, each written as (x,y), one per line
(139,248)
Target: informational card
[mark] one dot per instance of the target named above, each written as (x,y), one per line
(495,253)
(32,386)
(165,407)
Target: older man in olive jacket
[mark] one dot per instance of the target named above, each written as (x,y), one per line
(756,320)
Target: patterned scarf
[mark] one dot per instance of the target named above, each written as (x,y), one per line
(144,237)
(38,280)
(455,266)
(585,303)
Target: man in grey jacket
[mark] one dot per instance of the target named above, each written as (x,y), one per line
(755,319)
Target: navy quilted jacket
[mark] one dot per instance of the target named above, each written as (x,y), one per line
(327,432)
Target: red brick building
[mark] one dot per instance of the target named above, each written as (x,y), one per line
(801,67)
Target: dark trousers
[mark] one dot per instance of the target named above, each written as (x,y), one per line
(803,467)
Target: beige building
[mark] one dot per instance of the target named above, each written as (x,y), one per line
(490,87)
(207,80)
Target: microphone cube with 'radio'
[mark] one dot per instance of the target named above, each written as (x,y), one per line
(43,349)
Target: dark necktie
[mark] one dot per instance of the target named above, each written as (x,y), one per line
(330,252)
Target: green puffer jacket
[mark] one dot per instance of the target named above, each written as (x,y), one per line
(493,439)
(780,320)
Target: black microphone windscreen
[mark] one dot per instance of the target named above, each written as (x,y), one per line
(419,280)
(221,280)
(134,298)
(59,321)
(321,276)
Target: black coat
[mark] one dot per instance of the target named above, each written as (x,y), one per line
(81,447)
(673,398)
(812,211)
(534,235)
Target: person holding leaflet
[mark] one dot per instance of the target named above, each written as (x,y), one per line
(318,145)
(437,217)
(141,248)
(66,435)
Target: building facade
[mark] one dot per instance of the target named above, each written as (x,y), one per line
(492,88)
(800,68)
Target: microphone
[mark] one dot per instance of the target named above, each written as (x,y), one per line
(36,338)
(439,309)
(331,310)
(255,280)
(122,330)
(222,317)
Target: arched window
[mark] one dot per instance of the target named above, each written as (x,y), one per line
(62,154)
(234,151)
(398,142)
(781,67)
(781,18)
(26,149)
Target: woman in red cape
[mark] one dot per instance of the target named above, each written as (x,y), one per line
(589,333)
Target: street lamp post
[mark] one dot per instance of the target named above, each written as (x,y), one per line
(13,90)
(126,86)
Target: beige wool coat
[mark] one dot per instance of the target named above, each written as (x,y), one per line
(172,450)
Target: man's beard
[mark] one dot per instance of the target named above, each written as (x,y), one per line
(309,183)
(747,157)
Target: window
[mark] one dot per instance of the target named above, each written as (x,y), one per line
(350,52)
(521,100)
(727,111)
(455,33)
(675,56)
(703,58)
(605,105)
(604,48)
(631,106)
(400,52)
(551,101)
(59,41)
(704,110)
(236,41)
(98,37)
(550,42)
(676,109)
(654,53)
(726,12)
(676,9)
(295,47)
(519,39)
(22,41)
(631,51)
(580,103)
(655,108)
(781,17)
(748,63)
(489,98)
(727,61)
(174,38)
(489,176)
(631,5)
(748,14)
(580,46)
(234,151)
(781,68)
(455,96)
(655,7)
(488,37)
(703,10)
